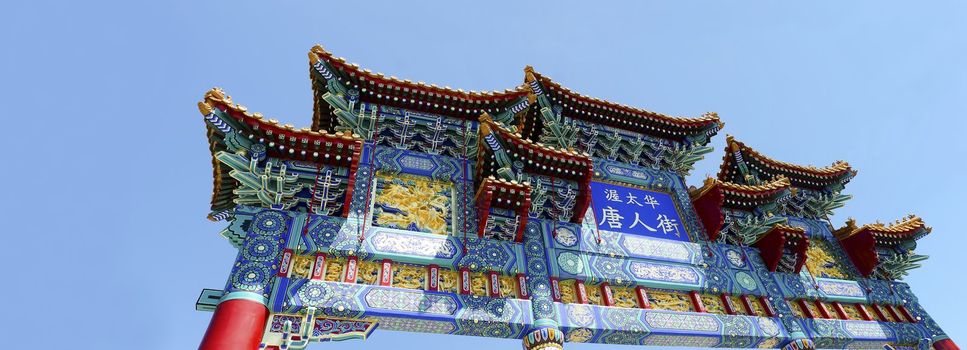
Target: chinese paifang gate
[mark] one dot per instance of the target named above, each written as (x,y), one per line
(539,214)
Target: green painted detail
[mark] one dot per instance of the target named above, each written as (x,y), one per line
(265,186)
(244,295)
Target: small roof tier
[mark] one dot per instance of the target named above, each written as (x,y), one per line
(910,228)
(598,111)
(739,159)
(714,195)
(745,196)
(388,90)
(279,141)
(878,245)
(535,158)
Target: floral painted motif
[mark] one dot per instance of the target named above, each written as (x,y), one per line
(661,272)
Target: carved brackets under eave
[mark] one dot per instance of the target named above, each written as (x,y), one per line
(772,246)
(498,193)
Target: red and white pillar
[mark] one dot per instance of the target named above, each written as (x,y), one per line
(237,323)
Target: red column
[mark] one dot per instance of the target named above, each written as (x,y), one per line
(805,309)
(892,312)
(906,314)
(236,325)
(767,307)
(352,267)
(945,344)
(879,313)
(319,267)
(493,282)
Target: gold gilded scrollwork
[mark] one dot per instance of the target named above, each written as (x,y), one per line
(851,312)
(334,268)
(508,286)
(713,304)
(568,295)
(478,284)
(369,272)
(417,201)
(449,281)
(302,266)
(408,276)
(820,262)
(675,301)
(594,294)
(624,297)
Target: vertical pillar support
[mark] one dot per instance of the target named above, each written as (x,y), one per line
(580,292)
(522,286)
(464,281)
(352,269)
(863,313)
(237,323)
(747,304)
(840,311)
(555,289)
(727,303)
(433,278)
(386,273)
(642,297)
(697,301)
(607,298)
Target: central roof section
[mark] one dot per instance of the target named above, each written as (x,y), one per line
(334,75)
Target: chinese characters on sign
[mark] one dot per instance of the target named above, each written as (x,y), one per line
(636,211)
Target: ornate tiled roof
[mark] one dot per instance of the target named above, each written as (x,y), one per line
(286,142)
(390,90)
(745,195)
(596,110)
(910,227)
(799,175)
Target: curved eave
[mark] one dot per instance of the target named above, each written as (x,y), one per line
(625,117)
(910,228)
(295,144)
(389,90)
(738,195)
(577,165)
(799,175)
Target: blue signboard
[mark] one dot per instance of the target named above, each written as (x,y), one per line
(636,211)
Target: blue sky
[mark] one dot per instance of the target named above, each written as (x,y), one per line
(108,176)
